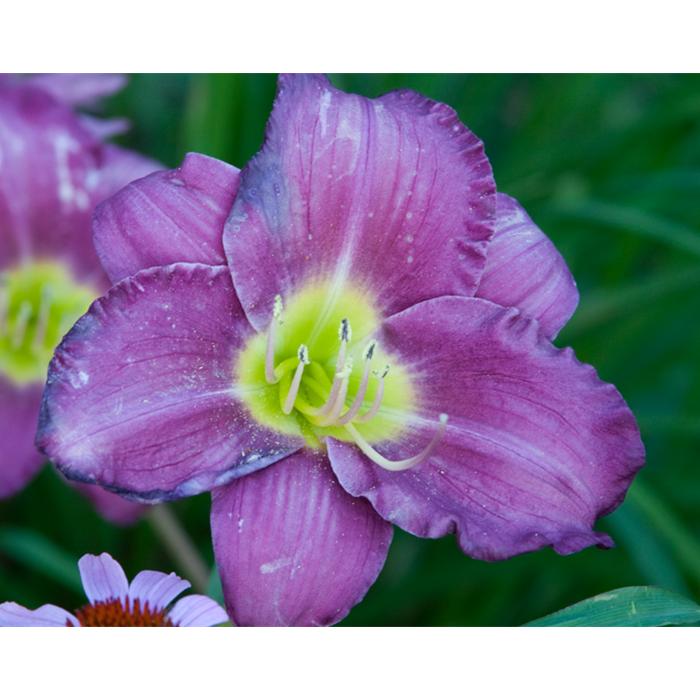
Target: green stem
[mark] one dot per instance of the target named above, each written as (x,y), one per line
(180,546)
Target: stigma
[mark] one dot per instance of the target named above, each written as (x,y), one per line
(338,393)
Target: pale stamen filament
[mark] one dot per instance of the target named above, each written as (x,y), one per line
(270,374)
(345,334)
(399,464)
(362,389)
(303,355)
(378,396)
(332,416)
(3,308)
(21,321)
(43,319)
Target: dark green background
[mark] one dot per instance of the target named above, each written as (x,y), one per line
(609,167)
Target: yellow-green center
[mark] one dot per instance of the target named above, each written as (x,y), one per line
(312,329)
(39,302)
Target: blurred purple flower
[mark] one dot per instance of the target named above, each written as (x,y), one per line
(114,602)
(369,344)
(54,168)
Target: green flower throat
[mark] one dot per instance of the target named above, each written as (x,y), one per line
(317,371)
(39,302)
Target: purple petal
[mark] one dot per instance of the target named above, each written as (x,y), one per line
(103,129)
(13,615)
(19,413)
(110,506)
(103,578)
(171,216)
(119,167)
(53,172)
(392,195)
(78,89)
(156,588)
(525,270)
(292,547)
(141,396)
(197,611)
(48,173)
(536,447)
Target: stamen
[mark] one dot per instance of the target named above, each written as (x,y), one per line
(378,396)
(43,318)
(399,464)
(362,390)
(303,355)
(345,334)
(4,296)
(339,403)
(270,375)
(21,321)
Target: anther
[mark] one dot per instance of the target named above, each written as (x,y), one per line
(398,464)
(303,355)
(277,307)
(21,321)
(270,374)
(345,331)
(378,396)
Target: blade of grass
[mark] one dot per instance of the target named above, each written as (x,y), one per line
(40,555)
(606,305)
(646,548)
(682,542)
(633,221)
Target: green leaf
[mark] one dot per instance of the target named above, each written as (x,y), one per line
(635,606)
(641,541)
(634,221)
(36,552)
(668,526)
(609,304)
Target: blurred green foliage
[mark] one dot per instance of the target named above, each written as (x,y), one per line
(633,606)
(609,167)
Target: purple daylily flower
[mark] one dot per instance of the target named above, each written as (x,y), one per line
(114,602)
(368,345)
(54,169)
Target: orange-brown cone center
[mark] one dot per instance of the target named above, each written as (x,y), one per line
(115,613)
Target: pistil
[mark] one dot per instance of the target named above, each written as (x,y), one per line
(399,464)
(378,396)
(362,389)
